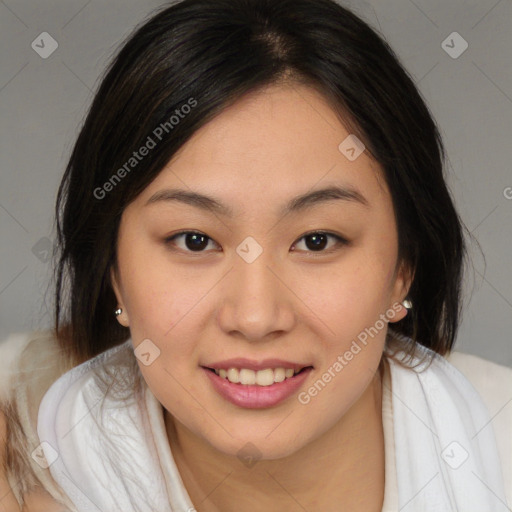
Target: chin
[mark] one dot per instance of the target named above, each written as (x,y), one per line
(259,446)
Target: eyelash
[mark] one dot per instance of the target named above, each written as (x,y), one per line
(340,241)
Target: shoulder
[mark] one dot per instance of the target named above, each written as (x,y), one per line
(29,357)
(493,382)
(30,362)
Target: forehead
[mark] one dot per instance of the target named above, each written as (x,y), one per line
(269,146)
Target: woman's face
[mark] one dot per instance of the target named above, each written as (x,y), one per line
(258,283)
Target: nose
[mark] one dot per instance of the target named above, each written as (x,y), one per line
(257,302)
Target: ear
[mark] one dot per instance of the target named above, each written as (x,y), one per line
(123,318)
(403,281)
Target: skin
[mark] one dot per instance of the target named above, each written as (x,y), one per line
(292,302)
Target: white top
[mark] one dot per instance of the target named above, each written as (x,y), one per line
(493,383)
(175,484)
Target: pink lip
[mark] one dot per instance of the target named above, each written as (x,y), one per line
(256,397)
(242,362)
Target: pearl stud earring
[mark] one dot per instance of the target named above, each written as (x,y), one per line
(407,304)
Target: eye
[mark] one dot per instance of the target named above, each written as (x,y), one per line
(317,241)
(194,241)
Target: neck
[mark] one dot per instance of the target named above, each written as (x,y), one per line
(344,465)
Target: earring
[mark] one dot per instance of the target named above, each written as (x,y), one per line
(407,304)
(118,311)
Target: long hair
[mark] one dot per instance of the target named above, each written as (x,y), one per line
(200,56)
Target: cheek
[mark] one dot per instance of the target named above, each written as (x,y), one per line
(352,302)
(338,385)
(351,359)
(156,295)
(352,296)
(162,307)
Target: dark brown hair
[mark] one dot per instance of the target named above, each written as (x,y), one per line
(215,51)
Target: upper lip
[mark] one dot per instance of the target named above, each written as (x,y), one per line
(250,364)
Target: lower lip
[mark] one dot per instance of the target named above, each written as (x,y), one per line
(253,396)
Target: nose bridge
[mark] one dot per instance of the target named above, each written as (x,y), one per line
(258,282)
(256,302)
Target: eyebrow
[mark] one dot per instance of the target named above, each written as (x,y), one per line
(295,205)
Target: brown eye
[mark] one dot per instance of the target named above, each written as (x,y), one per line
(317,241)
(191,241)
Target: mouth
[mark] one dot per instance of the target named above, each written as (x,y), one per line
(264,377)
(256,389)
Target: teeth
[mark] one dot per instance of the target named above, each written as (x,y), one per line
(247,376)
(233,375)
(279,374)
(265,377)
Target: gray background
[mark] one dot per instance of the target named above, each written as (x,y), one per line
(42,102)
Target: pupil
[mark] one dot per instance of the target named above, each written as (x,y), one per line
(317,243)
(198,241)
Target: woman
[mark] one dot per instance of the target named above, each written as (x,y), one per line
(258,288)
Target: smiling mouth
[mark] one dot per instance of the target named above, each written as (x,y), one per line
(265,377)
